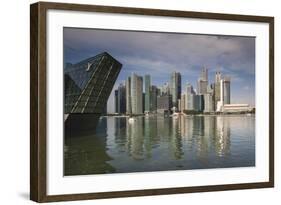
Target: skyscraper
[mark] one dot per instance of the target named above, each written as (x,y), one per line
(208,102)
(147,89)
(217,89)
(189,97)
(164,104)
(165,89)
(128,96)
(203,82)
(121,99)
(198,103)
(153,102)
(136,94)
(182,102)
(226,90)
(175,88)
(116,101)
(224,93)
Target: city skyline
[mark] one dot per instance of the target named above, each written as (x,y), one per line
(159,54)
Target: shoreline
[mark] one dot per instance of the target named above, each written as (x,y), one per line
(179,114)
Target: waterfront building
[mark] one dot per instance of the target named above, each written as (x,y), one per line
(236,108)
(217,93)
(189,102)
(164,103)
(182,106)
(224,94)
(209,105)
(226,90)
(175,88)
(198,102)
(87,86)
(116,101)
(136,94)
(208,102)
(147,89)
(128,96)
(179,105)
(153,102)
(121,99)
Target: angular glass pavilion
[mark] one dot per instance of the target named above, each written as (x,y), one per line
(87,86)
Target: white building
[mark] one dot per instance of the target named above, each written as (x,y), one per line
(227,108)
(224,94)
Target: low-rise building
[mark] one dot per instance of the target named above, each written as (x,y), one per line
(232,108)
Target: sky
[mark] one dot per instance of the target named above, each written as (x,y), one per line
(159,54)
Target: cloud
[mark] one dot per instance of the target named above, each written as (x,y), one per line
(158,54)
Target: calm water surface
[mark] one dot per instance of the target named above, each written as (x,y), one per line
(158,144)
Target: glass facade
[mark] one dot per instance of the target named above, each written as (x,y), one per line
(175,88)
(88,84)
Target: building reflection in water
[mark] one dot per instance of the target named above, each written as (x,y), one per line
(87,154)
(156,143)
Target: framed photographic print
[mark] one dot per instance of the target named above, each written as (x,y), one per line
(134,102)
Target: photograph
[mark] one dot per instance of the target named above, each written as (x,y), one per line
(143,101)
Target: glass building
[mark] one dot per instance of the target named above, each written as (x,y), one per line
(203,82)
(136,94)
(175,88)
(120,99)
(226,90)
(87,86)
(147,89)
(128,96)
(153,102)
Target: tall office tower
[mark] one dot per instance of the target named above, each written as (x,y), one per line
(116,101)
(199,103)
(128,96)
(189,89)
(136,94)
(224,93)
(208,102)
(87,86)
(165,89)
(209,105)
(147,89)
(218,77)
(202,82)
(153,102)
(164,103)
(204,74)
(226,90)
(175,88)
(217,89)
(121,105)
(189,102)
(183,102)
